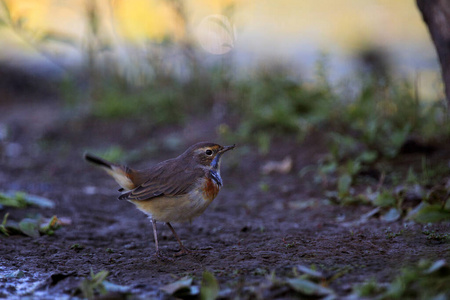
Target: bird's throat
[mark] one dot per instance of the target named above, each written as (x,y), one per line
(215,176)
(215,164)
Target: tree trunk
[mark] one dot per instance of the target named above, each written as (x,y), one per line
(436,14)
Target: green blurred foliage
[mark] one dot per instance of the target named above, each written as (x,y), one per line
(160,106)
(93,286)
(32,227)
(272,102)
(426,280)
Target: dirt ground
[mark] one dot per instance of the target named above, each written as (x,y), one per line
(257,224)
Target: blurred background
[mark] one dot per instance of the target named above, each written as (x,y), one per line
(252,67)
(295,33)
(330,103)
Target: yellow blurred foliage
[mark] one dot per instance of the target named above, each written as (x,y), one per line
(140,19)
(33,12)
(351,23)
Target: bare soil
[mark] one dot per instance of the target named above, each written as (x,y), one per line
(257,224)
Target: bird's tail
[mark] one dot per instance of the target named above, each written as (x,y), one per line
(121,174)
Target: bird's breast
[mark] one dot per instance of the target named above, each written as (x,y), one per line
(210,189)
(183,207)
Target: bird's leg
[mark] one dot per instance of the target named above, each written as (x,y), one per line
(155,234)
(183,250)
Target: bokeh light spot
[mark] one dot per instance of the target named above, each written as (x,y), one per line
(215,34)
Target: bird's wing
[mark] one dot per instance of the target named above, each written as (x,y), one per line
(164,182)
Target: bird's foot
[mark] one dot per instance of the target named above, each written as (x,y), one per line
(183,251)
(162,257)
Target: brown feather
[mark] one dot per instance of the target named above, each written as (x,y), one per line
(122,174)
(210,189)
(171,178)
(167,178)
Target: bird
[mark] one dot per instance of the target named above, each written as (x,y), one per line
(173,191)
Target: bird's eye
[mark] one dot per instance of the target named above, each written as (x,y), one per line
(208,152)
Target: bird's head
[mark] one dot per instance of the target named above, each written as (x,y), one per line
(207,154)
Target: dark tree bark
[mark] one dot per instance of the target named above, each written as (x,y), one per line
(436,14)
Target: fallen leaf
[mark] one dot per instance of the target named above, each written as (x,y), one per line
(65,221)
(172,288)
(13,199)
(282,167)
(15,274)
(431,213)
(210,287)
(310,272)
(436,266)
(115,288)
(39,201)
(363,219)
(29,227)
(392,215)
(307,287)
(21,199)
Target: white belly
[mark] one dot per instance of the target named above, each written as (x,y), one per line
(174,209)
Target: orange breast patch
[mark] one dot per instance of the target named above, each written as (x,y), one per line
(210,189)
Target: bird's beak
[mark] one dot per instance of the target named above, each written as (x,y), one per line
(226,148)
(215,163)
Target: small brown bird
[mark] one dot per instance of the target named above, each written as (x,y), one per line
(175,190)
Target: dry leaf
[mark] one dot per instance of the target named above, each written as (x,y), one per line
(282,167)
